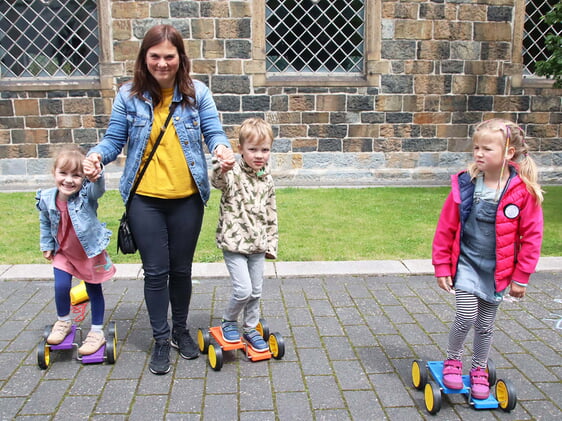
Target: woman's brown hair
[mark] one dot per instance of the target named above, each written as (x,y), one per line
(143,81)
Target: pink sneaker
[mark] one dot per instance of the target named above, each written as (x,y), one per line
(452,374)
(479,387)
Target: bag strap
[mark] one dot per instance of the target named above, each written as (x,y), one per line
(152,152)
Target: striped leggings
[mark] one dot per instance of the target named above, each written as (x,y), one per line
(472,311)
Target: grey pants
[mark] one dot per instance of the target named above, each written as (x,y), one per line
(246,275)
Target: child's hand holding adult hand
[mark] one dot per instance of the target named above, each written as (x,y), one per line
(225,157)
(446,283)
(92,167)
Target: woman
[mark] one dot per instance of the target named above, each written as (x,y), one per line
(166,211)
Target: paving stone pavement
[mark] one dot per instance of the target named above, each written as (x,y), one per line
(350,341)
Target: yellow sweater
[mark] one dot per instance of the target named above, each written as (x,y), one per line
(167,175)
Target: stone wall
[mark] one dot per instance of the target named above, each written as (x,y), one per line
(437,69)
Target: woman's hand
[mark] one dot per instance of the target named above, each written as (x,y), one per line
(48,254)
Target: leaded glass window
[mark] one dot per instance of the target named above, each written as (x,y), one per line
(315,36)
(534,47)
(48,39)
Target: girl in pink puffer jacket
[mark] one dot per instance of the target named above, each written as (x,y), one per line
(488,237)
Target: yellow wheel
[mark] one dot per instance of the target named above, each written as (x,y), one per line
(263,329)
(419,374)
(276,345)
(215,357)
(43,355)
(203,340)
(505,395)
(432,397)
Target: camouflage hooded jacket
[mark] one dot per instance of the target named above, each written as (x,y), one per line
(248,211)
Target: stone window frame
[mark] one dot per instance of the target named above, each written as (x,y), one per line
(518,80)
(373,66)
(103,81)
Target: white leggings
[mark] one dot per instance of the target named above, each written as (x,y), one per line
(472,311)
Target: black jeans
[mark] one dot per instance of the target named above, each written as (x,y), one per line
(166,233)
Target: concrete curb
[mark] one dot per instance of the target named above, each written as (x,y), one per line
(35,272)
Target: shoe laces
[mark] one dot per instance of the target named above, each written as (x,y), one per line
(93,337)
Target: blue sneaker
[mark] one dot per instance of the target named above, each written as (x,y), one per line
(255,340)
(230,332)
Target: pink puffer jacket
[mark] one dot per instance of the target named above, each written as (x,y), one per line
(519,230)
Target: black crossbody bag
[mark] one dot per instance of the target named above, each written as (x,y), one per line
(125,240)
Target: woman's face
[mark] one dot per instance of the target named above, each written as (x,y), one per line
(163,62)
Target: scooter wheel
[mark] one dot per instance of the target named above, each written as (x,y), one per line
(432,397)
(263,329)
(43,355)
(203,340)
(47,331)
(111,349)
(505,395)
(215,357)
(419,374)
(276,345)
(112,330)
(491,369)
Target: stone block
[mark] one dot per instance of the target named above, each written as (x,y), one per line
(301,102)
(227,102)
(203,28)
(387,145)
(412,103)
(215,9)
(213,49)
(21,107)
(481,67)
(364,130)
(293,131)
(495,50)
(330,102)
(398,50)
(472,12)
(78,106)
(305,145)
(433,50)
(50,106)
(539,103)
(239,49)
(126,50)
(464,85)
(234,28)
(315,118)
(492,31)
(397,84)
(432,11)
(416,67)
(413,29)
(35,122)
(449,131)
(432,118)
(360,103)
(388,103)
(500,13)
(512,103)
(329,145)
(453,31)
(130,10)
(357,145)
(229,67)
(184,9)
(432,84)
(255,103)
(230,84)
(344,117)
(480,103)
(465,50)
(29,135)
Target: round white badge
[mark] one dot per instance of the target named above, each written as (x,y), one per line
(511,211)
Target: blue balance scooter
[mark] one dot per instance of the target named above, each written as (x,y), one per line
(505,397)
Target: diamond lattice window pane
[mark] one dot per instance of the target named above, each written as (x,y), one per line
(534,47)
(315,36)
(48,38)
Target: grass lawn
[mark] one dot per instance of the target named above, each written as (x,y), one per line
(314,224)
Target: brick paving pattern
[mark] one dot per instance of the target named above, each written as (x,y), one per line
(350,341)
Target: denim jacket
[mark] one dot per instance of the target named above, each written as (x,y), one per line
(82,208)
(131,123)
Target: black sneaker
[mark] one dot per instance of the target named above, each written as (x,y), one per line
(160,361)
(183,342)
